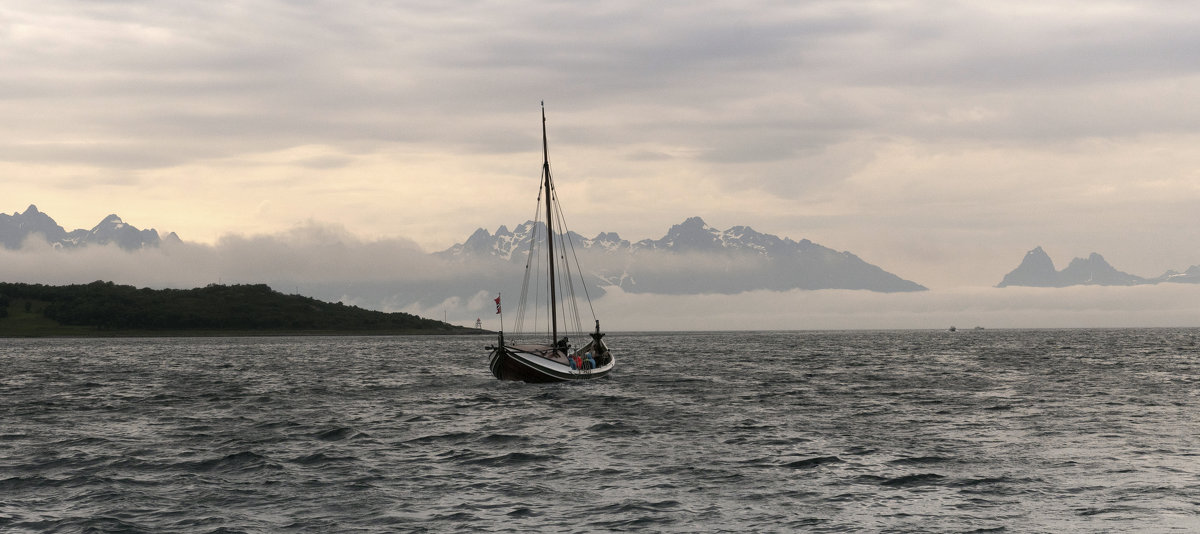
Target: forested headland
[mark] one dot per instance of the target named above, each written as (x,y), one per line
(105,308)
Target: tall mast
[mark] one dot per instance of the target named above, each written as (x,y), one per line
(549,230)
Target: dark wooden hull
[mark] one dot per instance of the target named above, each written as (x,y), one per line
(509,363)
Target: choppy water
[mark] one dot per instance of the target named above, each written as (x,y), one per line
(1007,431)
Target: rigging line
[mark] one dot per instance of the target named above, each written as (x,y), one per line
(570,309)
(567,290)
(564,289)
(565,239)
(537,286)
(579,271)
(519,325)
(539,283)
(582,281)
(522,305)
(531,257)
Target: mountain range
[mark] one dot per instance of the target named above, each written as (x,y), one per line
(694,257)
(1037,270)
(18,227)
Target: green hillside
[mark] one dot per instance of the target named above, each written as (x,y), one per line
(104,308)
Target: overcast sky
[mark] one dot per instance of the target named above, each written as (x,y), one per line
(938,140)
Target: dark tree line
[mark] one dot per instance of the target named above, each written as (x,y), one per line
(106,305)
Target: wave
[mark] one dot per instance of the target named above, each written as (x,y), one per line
(29,482)
(236,462)
(98,525)
(503,439)
(321,458)
(338,434)
(449,436)
(921,460)
(614,428)
(813,462)
(919,479)
(512,459)
(252,448)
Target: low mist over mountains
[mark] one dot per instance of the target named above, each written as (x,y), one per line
(1037,270)
(18,227)
(693,277)
(328,263)
(691,259)
(696,258)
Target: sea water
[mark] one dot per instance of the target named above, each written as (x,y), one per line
(1004,431)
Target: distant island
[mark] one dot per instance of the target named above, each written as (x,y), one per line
(105,308)
(1037,270)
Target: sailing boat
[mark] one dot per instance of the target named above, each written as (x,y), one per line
(547,357)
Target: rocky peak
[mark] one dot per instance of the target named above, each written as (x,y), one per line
(16,228)
(1095,271)
(112,220)
(692,235)
(1036,269)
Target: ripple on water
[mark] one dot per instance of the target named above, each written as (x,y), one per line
(1048,431)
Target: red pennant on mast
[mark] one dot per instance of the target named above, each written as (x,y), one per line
(497,303)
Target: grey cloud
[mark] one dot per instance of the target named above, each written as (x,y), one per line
(647,155)
(312,254)
(767,86)
(325,162)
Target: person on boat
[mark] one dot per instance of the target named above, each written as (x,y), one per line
(590,362)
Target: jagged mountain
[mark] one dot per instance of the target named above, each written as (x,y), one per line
(15,228)
(1037,270)
(696,258)
(512,245)
(1093,270)
(18,227)
(1190,276)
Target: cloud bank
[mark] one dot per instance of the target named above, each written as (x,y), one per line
(939,140)
(327,262)
(964,307)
